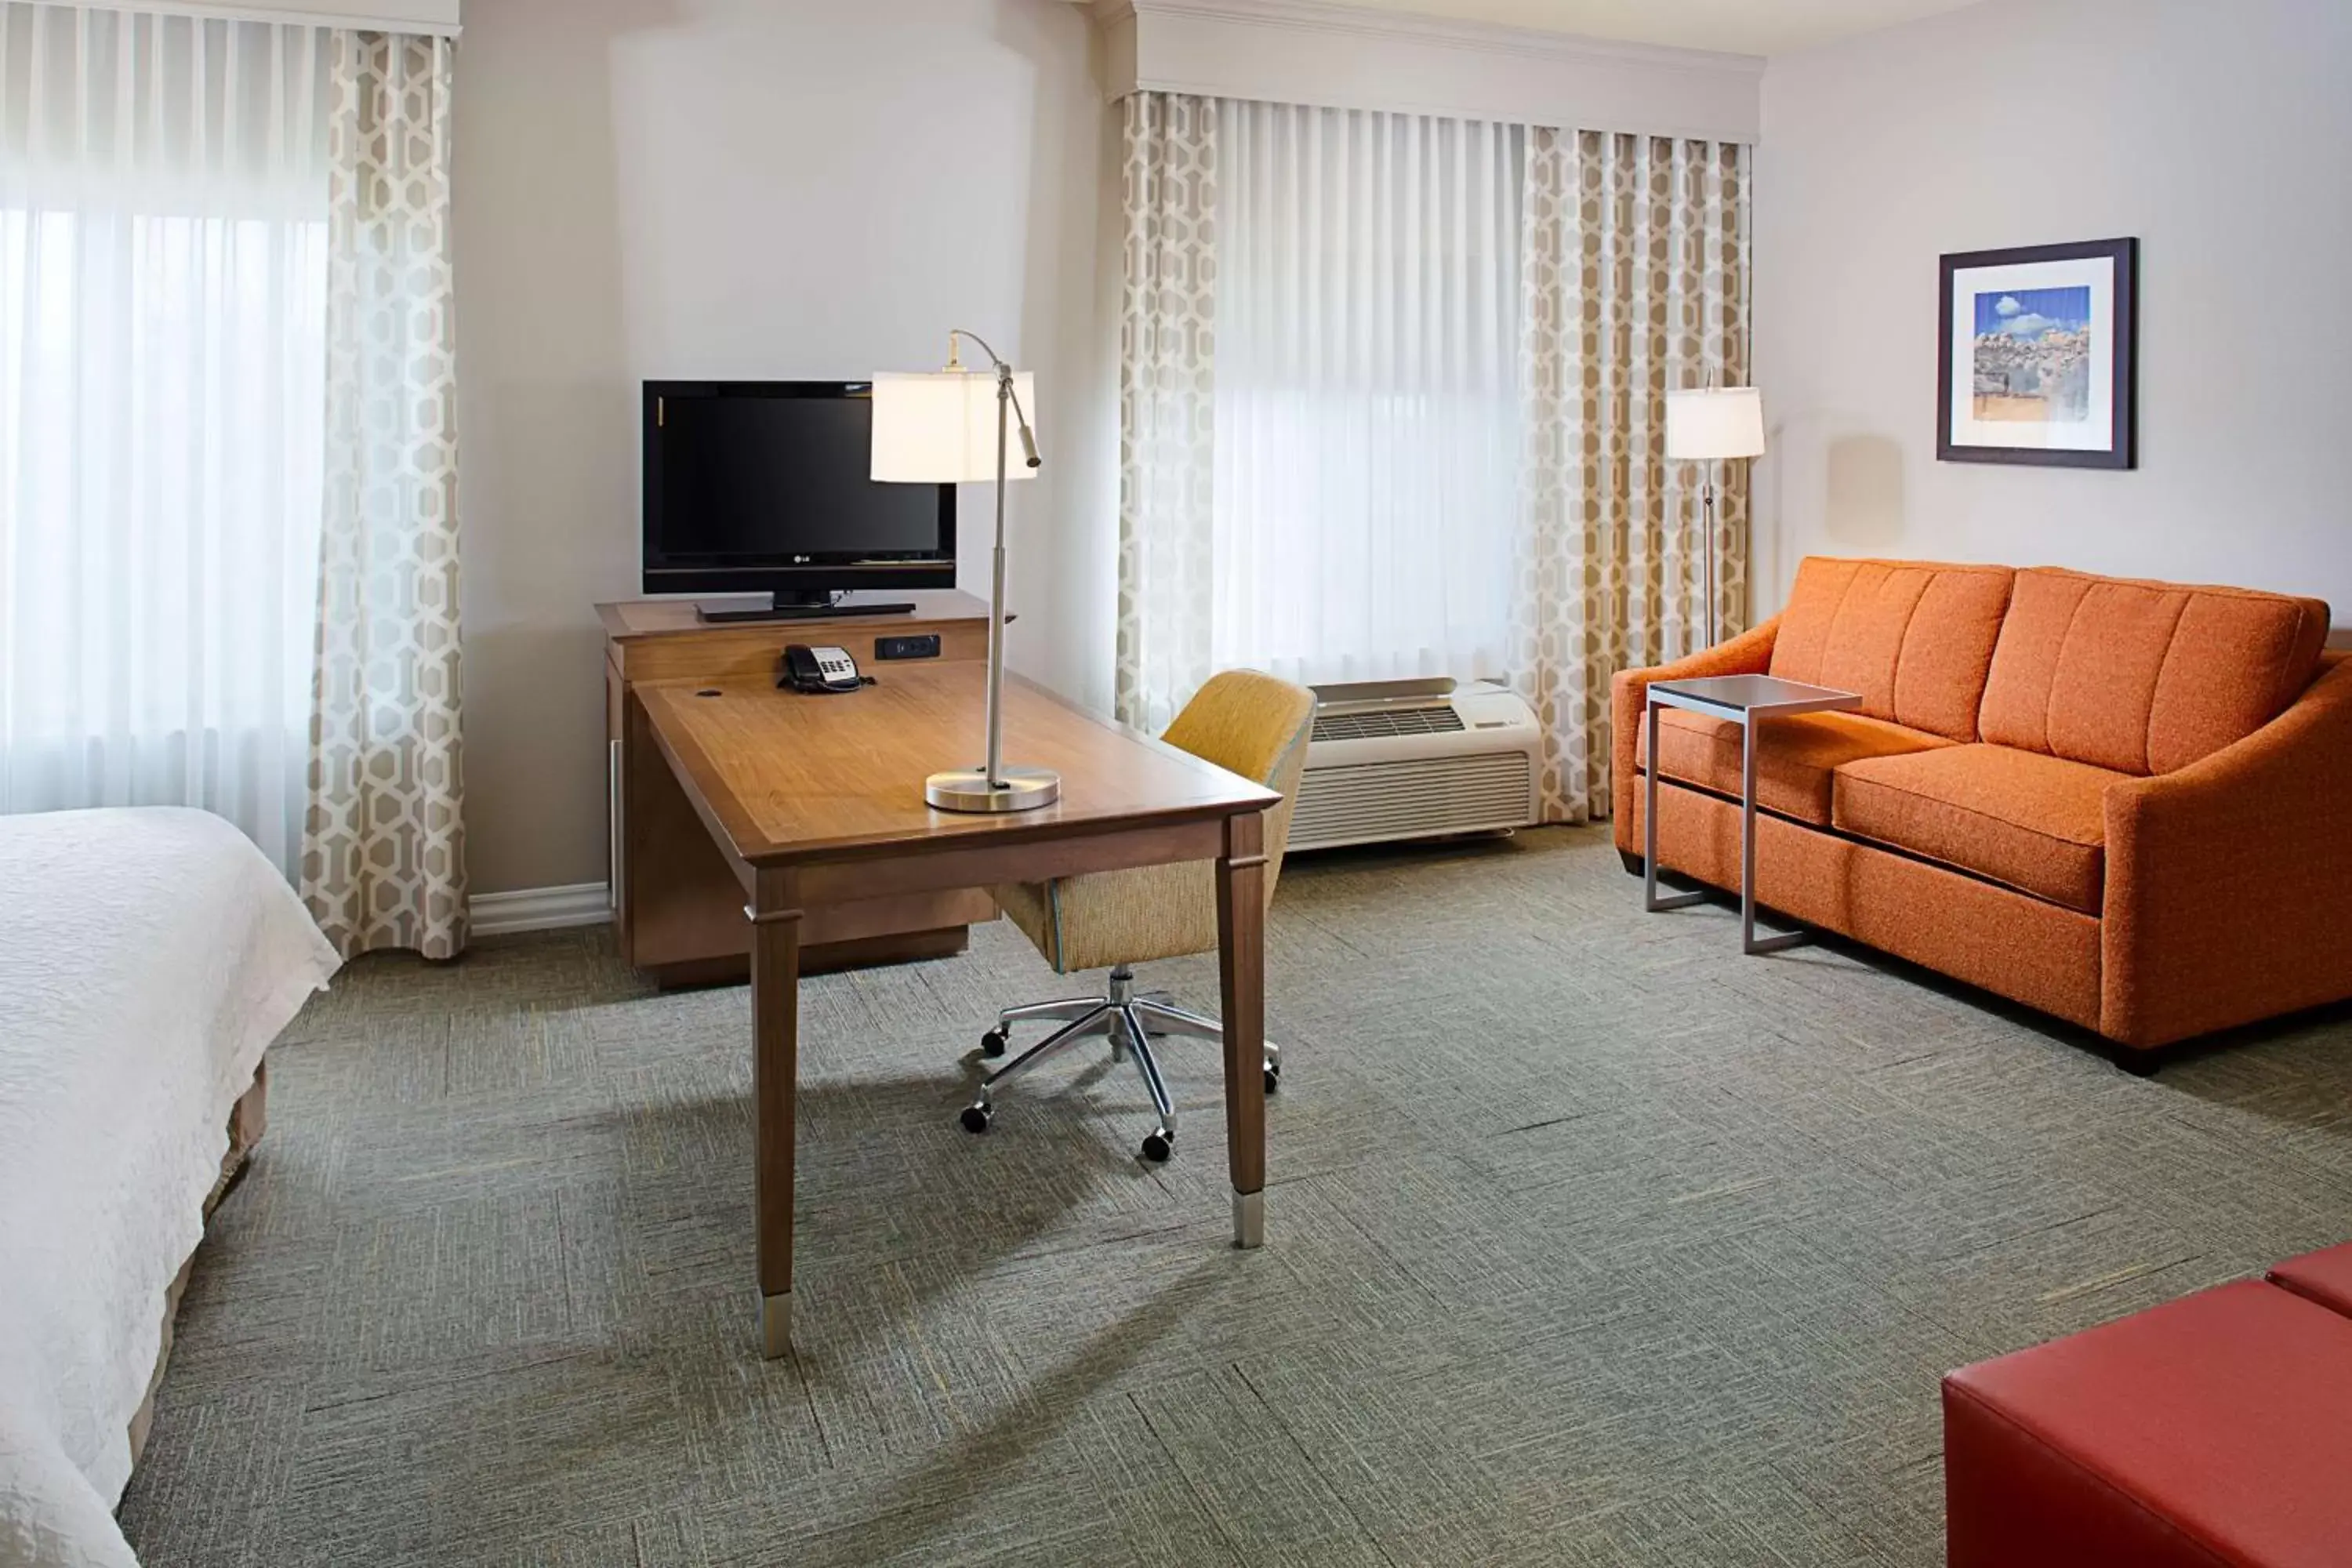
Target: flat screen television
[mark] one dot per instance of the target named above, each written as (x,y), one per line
(761,487)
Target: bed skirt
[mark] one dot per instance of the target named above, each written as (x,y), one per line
(247,1120)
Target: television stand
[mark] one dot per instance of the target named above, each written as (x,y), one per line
(680,910)
(792,607)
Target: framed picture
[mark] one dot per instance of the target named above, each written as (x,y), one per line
(2036,362)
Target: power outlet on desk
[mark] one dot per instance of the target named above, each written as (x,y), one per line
(924,646)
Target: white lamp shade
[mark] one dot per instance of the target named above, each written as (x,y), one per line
(940,428)
(1718,422)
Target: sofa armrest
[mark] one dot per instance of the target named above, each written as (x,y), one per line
(1750,653)
(2229,891)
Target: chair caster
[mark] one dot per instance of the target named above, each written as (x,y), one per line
(976,1117)
(1161,1144)
(993,1044)
(1273,1077)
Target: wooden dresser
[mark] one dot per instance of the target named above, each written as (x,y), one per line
(677,906)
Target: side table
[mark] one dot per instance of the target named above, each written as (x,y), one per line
(1744,699)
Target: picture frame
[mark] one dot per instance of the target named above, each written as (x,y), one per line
(2037,356)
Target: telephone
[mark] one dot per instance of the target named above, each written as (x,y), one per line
(819,669)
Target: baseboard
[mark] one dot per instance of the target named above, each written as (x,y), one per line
(539,908)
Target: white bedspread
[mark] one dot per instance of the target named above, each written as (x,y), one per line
(147,959)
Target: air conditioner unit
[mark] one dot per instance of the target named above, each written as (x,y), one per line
(1416,759)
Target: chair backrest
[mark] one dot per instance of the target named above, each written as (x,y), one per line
(1258,727)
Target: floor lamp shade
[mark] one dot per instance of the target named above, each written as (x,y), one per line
(940,428)
(1714,424)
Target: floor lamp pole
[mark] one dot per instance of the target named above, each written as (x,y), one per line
(1712,635)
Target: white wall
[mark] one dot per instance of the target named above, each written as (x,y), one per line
(2222,135)
(750,188)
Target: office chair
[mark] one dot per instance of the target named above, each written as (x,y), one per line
(1246,722)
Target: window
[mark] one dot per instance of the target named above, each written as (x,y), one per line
(163,365)
(1367,404)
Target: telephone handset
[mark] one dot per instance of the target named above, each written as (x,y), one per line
(819,669)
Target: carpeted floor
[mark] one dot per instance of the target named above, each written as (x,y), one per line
(1591,1241)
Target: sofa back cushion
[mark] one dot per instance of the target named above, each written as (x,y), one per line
(1914,637)
(2144,678)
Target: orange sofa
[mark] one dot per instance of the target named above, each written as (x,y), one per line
(2127,805)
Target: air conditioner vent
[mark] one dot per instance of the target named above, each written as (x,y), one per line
(1420,759)
(1377,801)
(1382,723)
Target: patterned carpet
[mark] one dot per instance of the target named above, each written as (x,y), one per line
(1590,1242)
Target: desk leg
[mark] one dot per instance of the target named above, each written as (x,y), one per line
(1241,964)
(775,1080)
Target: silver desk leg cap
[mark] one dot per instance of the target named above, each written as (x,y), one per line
(1249,1219)
(776,1325)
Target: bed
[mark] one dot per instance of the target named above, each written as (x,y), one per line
(148,957)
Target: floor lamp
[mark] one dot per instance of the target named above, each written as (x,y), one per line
(1710,425)
(954,427)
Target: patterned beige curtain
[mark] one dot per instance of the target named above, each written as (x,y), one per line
(1636,284)
(1165,393)
(383,854)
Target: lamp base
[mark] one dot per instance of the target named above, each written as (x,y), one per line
(1017,789)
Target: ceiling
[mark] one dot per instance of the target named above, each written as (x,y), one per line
(1737,26)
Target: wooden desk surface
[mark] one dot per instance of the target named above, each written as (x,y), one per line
(791,778)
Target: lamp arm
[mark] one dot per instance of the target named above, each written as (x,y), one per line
(1004,381)
(955,358)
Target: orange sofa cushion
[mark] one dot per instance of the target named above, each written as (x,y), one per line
(2144,678)
(1796,757)
(2035,823)
(1916,639)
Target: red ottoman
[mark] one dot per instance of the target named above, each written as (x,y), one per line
(2214,1430)
(2322,1277)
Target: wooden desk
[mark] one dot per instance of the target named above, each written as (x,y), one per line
(817,804)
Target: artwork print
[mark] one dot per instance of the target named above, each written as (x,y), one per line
(2037,355)
(2032,357)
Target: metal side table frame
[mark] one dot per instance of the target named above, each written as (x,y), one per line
(1744,700)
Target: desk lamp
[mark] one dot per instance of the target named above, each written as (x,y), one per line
(934,429)
(1708,427)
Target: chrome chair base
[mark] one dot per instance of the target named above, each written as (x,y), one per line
(1131,1022)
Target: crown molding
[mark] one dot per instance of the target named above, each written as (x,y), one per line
(436,18)
(1439,32)
(1335,55)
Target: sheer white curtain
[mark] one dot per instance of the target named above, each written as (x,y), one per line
(1368,422)
(163,250)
